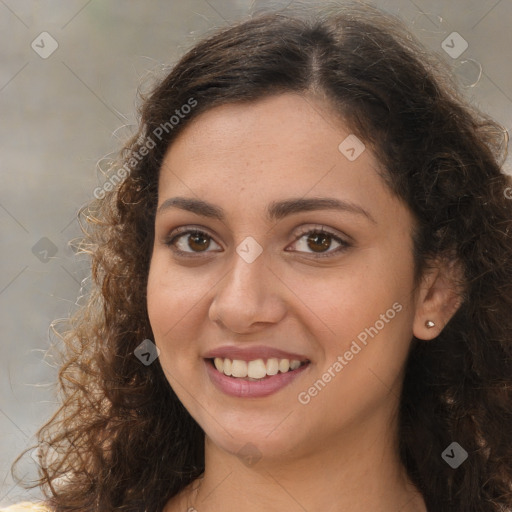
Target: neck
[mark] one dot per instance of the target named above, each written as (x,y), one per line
(356,472)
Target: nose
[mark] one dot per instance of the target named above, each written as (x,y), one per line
(248,297)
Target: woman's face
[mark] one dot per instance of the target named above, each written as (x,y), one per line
(257,287)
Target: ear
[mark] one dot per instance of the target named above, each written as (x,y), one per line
(438,298)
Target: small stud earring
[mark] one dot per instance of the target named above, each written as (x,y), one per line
(429,324)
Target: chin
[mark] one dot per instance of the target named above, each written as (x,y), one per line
(249,439)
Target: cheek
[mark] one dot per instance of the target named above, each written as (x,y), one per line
(172,295)
(161,299)
(353,297)
(369,320)
(176,309)
(176,313)
(367,312)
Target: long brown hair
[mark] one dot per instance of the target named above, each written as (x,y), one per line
(123,441)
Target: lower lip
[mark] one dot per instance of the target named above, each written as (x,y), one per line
(251,389)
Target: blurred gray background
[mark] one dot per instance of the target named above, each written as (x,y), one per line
(68,80)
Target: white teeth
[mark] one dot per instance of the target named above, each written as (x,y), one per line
(256,369)
(294,364)
(284,365)
(272,366)
(218,364)
(228,364)
(239,368)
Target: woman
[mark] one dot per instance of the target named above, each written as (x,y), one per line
(302,287)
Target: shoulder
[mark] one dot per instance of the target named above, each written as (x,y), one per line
(26,506)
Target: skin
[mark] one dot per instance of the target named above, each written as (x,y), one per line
(338,451)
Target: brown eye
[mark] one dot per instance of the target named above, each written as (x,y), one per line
(319,242)
(189,242)
(198,242)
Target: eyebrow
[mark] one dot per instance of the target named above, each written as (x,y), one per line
(276,210)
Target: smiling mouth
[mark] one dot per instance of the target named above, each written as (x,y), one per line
(256,370)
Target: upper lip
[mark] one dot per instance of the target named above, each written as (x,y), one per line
(252,353)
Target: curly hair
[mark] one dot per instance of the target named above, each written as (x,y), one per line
(122,440)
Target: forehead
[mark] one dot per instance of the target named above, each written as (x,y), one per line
(283,145)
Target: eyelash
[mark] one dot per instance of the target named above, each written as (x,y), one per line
(180,232)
